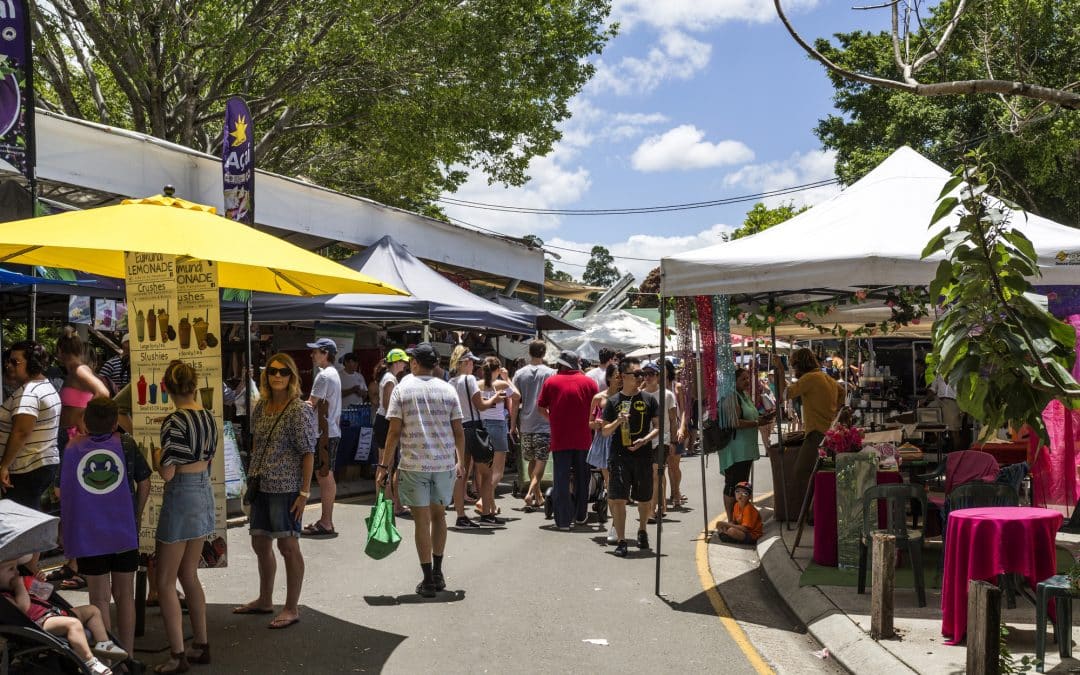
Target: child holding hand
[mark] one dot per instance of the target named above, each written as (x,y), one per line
(745,526)
(68,624)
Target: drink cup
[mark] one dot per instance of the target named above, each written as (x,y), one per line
(164,394)
(153,394)
(624,430)
(200,326)
(185,333)
(140,325)
(151,325)
(207,395)
(142,390)
(163,325)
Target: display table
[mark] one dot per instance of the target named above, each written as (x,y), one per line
(826,552)
(982,543)
(1005,453)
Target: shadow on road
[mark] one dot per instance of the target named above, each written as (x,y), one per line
(413,599)
(243,644)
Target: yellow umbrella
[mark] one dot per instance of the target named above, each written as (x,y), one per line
(95,240)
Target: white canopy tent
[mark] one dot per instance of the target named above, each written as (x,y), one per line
(616,329)
(872,233)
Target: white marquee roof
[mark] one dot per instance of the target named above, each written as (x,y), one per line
(871,234)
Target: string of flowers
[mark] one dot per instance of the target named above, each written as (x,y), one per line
(908,305)
(840,439)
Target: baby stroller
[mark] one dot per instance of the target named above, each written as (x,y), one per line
(26,648)
(597,497)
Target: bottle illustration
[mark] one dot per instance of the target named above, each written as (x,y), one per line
(164,394)
(142,390)
(140,325)
(151,325)
(624,408)
(153,393)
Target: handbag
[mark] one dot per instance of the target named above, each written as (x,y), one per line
(251,485)
(477,441)
(383,537)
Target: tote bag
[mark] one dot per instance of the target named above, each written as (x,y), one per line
(382,535)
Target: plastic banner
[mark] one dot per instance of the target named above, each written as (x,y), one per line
(238,162)
(16,87)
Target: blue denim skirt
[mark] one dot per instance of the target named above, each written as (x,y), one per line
(270,515)
(499,434)
(187,508)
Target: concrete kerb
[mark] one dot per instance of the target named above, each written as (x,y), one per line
(847,643)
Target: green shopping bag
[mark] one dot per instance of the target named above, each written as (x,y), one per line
(382,536)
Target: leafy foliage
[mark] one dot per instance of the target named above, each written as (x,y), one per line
(648,293)
(761,218)
(1006,356)
(1035,147)
(391,99)
(601,270)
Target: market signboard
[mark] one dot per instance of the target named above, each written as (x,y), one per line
(174,313)
(16,87)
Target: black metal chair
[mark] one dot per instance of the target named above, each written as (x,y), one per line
(896,498)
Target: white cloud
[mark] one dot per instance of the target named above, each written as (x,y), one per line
(685,147)
(554,185)
(676,56)
(648,246)
(799,169)
(694,15)
(589,123)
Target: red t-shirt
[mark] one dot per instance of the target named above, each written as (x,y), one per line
(568,397)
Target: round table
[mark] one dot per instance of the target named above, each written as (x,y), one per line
(982,543)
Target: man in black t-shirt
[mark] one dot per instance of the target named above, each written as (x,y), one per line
(631,420)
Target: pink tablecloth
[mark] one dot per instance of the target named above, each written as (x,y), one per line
(985,542)
(825,539)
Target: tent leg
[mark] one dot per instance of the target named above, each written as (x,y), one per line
(661,459)
(779,425)
(701,413)
(248,375)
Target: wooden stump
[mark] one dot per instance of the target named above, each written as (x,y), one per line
(983,628)
(882,585)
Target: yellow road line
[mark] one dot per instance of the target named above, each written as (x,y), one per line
(720,607)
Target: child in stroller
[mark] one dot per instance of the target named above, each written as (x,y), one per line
(57,620)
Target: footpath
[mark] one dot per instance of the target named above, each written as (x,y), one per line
(838,617)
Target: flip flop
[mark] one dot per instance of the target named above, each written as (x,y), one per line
(316,529)
(62,573)
(281,624)
(75,583)
(247,609)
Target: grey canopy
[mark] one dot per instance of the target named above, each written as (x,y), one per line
(24,531)
(434,298)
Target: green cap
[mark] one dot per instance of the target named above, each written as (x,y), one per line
(396,355)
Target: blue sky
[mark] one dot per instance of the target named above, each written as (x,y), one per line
(694,100)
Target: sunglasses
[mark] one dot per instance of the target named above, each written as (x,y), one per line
(14,361)
(284,372)
(637,374)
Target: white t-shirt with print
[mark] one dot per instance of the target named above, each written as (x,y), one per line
(426,407)
(463,384)
(37,398)
(327,386)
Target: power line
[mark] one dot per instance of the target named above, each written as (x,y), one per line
(560,248)
(485,206)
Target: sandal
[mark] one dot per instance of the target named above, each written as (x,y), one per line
(181,664)
(62,573)
(199,652)
(317,529)
(75,583)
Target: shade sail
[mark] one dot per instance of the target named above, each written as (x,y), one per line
(435,298)
(94,241)
(544,319)
(872,233)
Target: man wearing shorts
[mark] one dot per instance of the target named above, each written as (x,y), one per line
(326,399)
(535,428)
(425,416)
(631,419)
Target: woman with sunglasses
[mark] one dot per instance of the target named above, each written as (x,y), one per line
(282,459)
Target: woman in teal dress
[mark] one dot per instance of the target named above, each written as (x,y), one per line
(741,453)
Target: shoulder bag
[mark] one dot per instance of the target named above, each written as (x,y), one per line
(477,442)
(252,484)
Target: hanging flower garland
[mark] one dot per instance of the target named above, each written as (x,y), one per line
(908,305)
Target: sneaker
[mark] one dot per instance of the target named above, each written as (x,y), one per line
(565,528)
(108,649)
(642,539)
(440,581)
(612,538)
(583,521)
(621,550)
(425,589)
(464,522)
(490,519)
(97,667)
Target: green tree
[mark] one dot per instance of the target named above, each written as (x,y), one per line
(761,218)
(1035,147)
(601,270)
(648,293)
(391,99)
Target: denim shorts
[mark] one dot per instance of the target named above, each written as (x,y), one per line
(500,437)
(270,515)
(424,488)
(187,508)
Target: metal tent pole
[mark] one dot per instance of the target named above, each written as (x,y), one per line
(700,417)
(248,374)
(661,453)
(779,420)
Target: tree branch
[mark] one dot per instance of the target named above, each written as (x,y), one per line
(1065,99)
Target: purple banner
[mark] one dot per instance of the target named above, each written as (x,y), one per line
(16,88)
(238,162)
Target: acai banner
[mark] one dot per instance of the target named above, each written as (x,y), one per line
(238,162)
(16,87)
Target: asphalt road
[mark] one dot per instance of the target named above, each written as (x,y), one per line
(520,598)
